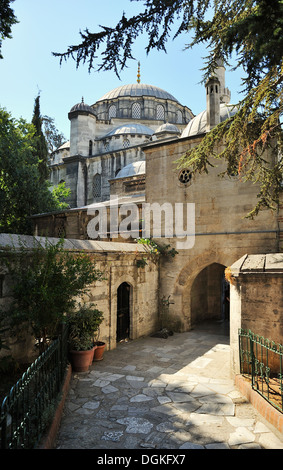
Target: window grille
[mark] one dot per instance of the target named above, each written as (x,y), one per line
(96,186)
(112,112)
(160,114)
(61,231)
(185,176)
(126,143)
(136,111)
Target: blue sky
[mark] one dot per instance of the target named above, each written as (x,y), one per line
(51,26)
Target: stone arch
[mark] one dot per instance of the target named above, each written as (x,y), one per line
(187,277)
(117,278)
(123,311)
(207,294)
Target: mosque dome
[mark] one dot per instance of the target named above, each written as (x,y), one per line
(136,90)
(167,127)
(132,128)
(133,169)
(82,108)
(198,124)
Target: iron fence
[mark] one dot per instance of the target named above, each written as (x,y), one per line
(261,361)
(29,407)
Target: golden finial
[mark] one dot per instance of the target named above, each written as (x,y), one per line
(139,75)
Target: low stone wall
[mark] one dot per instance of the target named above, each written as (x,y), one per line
(256,293)
(118,262)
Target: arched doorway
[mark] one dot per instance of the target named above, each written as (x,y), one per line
(210,295)
(123,311)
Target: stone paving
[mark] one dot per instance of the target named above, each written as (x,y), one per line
(155,393)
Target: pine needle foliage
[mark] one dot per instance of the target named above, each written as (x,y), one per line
(251,29)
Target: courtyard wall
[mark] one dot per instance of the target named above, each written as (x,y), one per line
(118,262)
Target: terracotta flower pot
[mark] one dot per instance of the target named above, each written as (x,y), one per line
(81,360)
(98,353)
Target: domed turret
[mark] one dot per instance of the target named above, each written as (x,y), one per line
(80,108)
(167,130)
(83,124)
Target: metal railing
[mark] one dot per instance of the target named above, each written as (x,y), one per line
(29,407)
(261,361)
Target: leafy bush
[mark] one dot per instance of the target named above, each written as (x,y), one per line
(46,282)
(83,323)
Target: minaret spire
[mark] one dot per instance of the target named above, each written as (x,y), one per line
(139,75)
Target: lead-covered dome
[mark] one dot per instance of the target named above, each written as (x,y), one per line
(81,108)
(133,129)
(198,124)
(139,101)
(136,90)
(167,128)
(133,169)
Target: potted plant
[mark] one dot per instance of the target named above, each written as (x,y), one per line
(83,323)
(99,350)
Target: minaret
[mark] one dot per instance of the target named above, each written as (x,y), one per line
(216,93)
(212,103)
(225,94)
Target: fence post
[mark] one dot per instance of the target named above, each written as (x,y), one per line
(252,356)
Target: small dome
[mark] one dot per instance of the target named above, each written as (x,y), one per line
(64,146)
(137,89)
(81,108)
(198,124)
(167,127)
(130,129)
(133,169)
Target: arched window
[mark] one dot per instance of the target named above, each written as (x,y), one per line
(160,114)
(179,117)
(126,143)
(112,112)
(90,148)
(136,111)
(96,186)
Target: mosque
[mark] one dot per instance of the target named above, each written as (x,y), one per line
(106,150)
(126,144)
(106,138)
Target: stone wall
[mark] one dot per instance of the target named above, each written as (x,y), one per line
(118,261)
(223,234)
(256,300)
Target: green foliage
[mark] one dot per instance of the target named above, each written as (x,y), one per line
(60,193)
(155,249)
(40,144)
(83,323)
(247,136)
(54,138)
(7,20)
(46,282)
(253,30)
(22,191)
